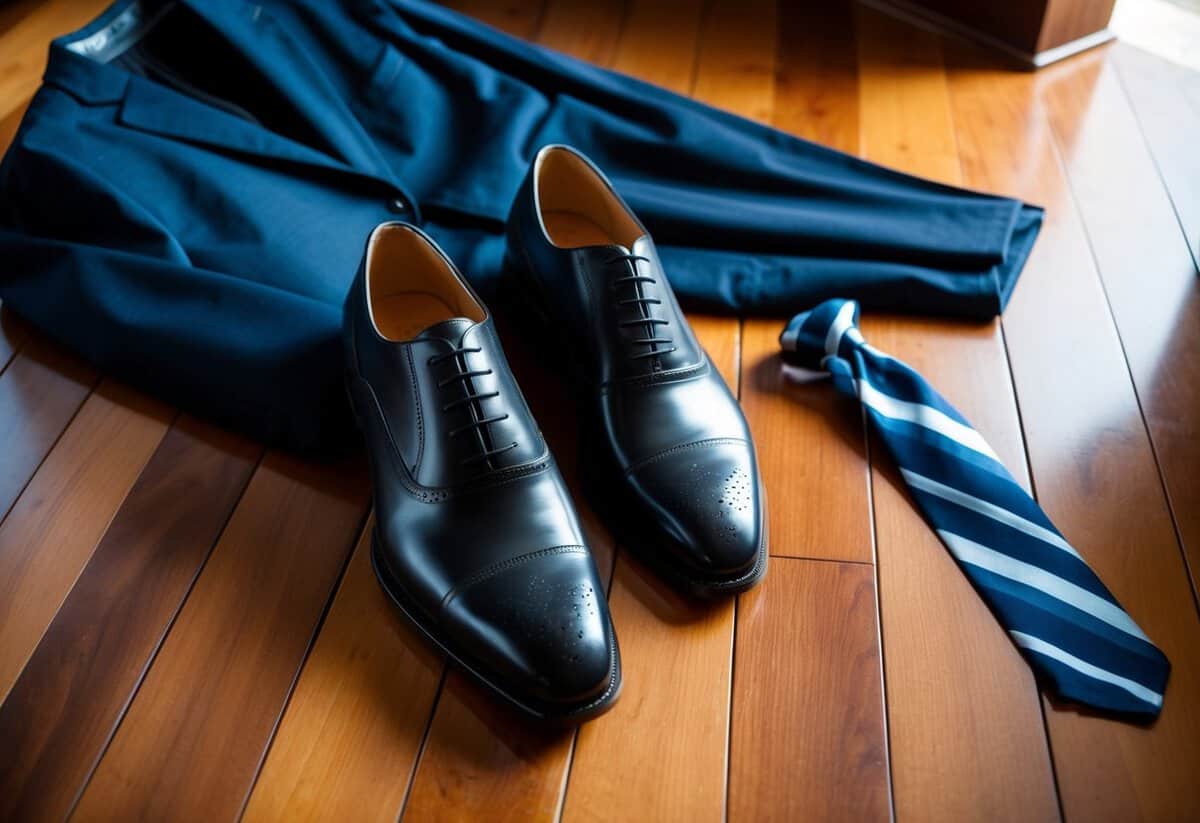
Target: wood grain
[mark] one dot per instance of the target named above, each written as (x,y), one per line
(24,46)
(902,83)
(40,392)
(1147,269)
(949,667)
(809,739)
(483,762)
(1091,459)
(737,58)
(63,709)
(9,125)
(812,451)
(13,332)
(480,760)
(811,442)
(1104,141)
(816,88)
(588,31)
(54,526)
(661,753)
(192,740)
(658,42)
(348,743)
(520,18)
(13,12)
(1169,118)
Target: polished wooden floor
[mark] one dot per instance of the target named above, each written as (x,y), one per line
(189,628)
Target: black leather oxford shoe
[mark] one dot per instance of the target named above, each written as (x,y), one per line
(669,459)
(475,537)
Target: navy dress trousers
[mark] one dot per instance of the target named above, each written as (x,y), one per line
(187,198)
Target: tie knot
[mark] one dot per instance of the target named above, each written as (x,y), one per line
(829,329)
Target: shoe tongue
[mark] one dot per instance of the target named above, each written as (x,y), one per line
(450,330)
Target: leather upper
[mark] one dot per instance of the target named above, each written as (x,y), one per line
(660,412)
(484,548)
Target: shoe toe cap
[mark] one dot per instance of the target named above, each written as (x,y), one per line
(540,625)
(709,501)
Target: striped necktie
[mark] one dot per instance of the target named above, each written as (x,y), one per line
(1071,630)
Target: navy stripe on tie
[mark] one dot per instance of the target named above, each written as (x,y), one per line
(1067,624)
(1024,608)
(1011,540)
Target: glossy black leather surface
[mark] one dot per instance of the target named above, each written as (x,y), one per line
(487,556)
(667,436)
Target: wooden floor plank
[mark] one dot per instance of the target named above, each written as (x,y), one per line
(816,90)
(658,42)
(192,740)
(24,46)
(808,738)
(9,125)
(902,83)
(813,453)
(588,31)
(1091,459)
(520,18)
(348,743)
(13,12)
(1147,269)
(736,68)
(967,739)
(1158,90)
(62,710)
(40,392)
(810,441)
(57,521)
(13,332)
(480,760)
(483,762)
(661,754)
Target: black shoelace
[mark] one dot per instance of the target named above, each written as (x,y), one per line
(647,322)
(471,397)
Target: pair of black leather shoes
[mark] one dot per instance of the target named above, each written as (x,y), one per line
(475,538)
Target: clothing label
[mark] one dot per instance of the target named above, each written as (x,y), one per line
(121,32)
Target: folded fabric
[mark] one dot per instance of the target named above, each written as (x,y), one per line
(188,195)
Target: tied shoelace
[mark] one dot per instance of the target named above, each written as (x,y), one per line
(646,321)
(458,356)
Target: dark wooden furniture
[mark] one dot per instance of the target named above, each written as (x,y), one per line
(1035,32)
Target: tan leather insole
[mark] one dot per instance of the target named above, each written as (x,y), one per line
(404,315)
(571,230)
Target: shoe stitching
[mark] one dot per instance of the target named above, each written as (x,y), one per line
(437,494)
(512,562)
(412,379)
(712,441)
(642,381)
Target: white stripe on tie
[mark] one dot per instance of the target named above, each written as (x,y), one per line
(968,551)
(925,416)
(839,326)
(1040,646)
(998,513)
